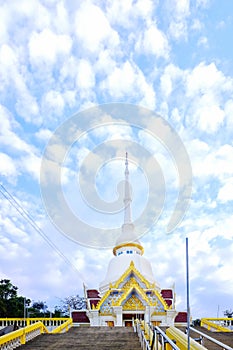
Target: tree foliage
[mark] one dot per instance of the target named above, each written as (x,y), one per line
(228,313)
(11,305)
(73,302)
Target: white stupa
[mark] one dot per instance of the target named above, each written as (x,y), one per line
(128,248)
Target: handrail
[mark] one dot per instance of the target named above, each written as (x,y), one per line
(166,339)
(20,336)
(66,325)
(143,341)
(209,322)
(30,331)
(182,339)
(224,346)
(149,337)
(20,321)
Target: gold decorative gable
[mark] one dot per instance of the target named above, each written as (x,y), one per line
(132,269)
(132,288)
(133,303)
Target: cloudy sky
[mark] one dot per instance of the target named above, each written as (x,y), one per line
(174,57)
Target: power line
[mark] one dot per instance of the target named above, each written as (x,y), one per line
(8,196)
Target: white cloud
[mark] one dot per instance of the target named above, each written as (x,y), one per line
(8,63)
(61,19)
(178,29)
(93,29)
(7,166)
(225,193)
(113,82)
(53,103)
(126,12)
(4,18)
(31,165)
(229,113)
(26,106)
(203,41)
(10,138)
(182,8)
(180,11)
(153,41)
(207,161)
(172,74)
(209,116)
(134,84)
(43,134)
(32,11)
(106,63)
(207,87)
(197,25)
(203,3)
(11,74)
(205,78)
(46,46)
(85,75)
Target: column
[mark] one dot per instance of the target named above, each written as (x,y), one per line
(118,312)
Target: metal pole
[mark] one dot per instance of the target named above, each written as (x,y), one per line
(24,311)
(187,288)
(218,312)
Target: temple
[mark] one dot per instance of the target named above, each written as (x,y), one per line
(129,290)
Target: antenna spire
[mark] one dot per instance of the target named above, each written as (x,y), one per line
(127,198)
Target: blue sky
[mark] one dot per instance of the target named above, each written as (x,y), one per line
(58,58)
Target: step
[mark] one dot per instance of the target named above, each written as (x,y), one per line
(99,338)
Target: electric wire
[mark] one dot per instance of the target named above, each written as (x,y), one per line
(8,196)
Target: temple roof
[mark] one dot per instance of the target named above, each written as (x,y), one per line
(132,291)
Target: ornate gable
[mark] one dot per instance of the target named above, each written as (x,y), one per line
(132,291)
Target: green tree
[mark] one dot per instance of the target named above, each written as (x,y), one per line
(39,309)
(11,305)
(7,290)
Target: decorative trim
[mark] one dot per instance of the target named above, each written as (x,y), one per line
(132,268)
(128,244)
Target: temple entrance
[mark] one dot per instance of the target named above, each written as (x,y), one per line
(129,318)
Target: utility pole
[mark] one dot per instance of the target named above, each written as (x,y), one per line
(187,289)
(24,311)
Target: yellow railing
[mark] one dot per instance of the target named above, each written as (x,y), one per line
(22,322)
(147,331)
(32,327)
(21,336)
(64,327)
(182,339)
(217,324)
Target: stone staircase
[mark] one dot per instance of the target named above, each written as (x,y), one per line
(87,338)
